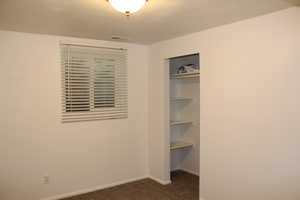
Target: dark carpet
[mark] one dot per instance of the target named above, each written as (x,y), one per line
(184,186)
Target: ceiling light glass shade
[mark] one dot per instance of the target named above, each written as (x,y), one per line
(127,6)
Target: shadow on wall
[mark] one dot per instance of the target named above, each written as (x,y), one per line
(293,2)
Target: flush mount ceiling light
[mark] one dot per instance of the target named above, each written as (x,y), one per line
(127,6)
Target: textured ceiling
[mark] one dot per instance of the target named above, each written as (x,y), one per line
(158,20)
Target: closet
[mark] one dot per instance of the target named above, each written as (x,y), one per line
(184,113)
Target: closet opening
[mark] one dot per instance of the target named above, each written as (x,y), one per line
(184,117)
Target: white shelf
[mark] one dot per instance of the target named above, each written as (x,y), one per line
(185,75)
(180,145)
(182,122)
(181,99)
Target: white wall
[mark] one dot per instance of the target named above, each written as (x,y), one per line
(250,106)
(35,143)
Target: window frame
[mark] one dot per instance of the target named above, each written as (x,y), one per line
(119,109)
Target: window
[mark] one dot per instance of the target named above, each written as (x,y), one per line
(94,83)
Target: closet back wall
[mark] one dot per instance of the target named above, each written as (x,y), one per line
(35,143)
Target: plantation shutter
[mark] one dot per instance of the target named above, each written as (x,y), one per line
(94,83)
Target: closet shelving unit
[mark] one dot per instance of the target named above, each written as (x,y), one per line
(180,122)
(180,99)
(184,103)
(180,145)
(185,75)
(173,123)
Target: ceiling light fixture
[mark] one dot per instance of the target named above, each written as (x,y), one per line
(127,6)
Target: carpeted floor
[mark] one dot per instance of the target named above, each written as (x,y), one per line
(184,186)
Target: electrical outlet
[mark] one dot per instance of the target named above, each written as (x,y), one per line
(46,179)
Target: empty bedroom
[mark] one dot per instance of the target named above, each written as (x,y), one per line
(150,100)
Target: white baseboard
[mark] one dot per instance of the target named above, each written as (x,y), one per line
(185,170)
(95,188)
(160,181)
(191,172)
(101,187)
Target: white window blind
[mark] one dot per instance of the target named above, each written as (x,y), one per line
(94,83)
